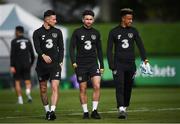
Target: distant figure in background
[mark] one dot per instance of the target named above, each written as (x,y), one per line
(74,81)
(48,42)
(21,61)
(121,59)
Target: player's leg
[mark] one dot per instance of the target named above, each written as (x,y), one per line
(17,76)
(96,96)
(18,91)
(82,80)
(27,81)
(43,93)
(119,84)
(54,97)
(83,98)
(55,94)
(55,78)
(28,90)
(129,80)
(44,97)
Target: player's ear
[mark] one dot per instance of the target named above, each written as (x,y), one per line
(46,19)
(82,19)
(93,20)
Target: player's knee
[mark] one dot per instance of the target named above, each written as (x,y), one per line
(96,87)
(43,89)
(54,89)
(82,89)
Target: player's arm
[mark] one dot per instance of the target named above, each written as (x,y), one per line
(31,53)
(12,57)
(37,46)
(110,51)
(61,48)
(72,49)
(37,43)
(100,53)
(140,46)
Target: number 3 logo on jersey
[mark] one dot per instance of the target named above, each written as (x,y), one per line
(49,43)
(125,43)
(88,45)
(23,45)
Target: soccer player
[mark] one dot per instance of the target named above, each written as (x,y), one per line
(21,60)
(87,42)
(48,42)
(121,58)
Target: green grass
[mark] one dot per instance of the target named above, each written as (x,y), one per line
(147,105)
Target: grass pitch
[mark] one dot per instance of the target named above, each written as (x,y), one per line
(147,105)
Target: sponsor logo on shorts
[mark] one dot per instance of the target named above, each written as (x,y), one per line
(79,78)
(57,74)
(40,78)
(115,72)
(98,71)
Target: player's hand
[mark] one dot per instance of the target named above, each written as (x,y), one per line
(101,70)
(74,65)
(13,70)
(146,61)
(145,68)
(47,59)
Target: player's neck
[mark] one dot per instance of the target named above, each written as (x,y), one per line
(87,27)
(123,25)
(46,26)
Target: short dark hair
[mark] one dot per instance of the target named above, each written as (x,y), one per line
(20,29)
(49,13)
(88,12)
(126,11)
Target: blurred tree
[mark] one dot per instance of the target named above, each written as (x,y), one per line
(163,10)
(2,1)
(136,5)
(153,10)
(70,10)
(144,10)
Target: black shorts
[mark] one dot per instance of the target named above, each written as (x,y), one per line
(49,74)
(85,73)
(22,73)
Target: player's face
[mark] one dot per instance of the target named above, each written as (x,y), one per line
(127,20)
(18,34)
(88,20)
(51,20)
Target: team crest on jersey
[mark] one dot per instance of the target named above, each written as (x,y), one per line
(40,78)
(119,36)
(130,35)
(82,37)
(42,37)
(54,35)
(93,37)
